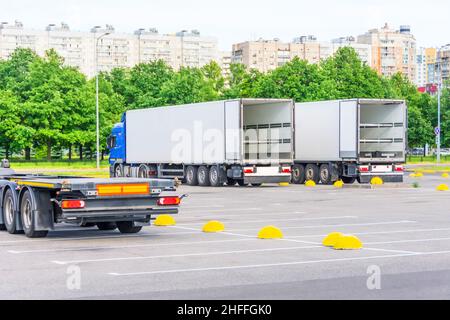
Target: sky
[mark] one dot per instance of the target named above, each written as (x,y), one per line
(233,21)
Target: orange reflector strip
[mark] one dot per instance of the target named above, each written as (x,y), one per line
(122,189)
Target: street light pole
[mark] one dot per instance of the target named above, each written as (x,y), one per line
(97,113)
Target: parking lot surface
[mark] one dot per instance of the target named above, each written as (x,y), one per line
(405,231)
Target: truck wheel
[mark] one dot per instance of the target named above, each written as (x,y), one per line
(118,171)
(28,217)
(214,177)
(9,214)
(242,183)
(349,180)
(106,226)
(143,171)
(325,174)
(231,182)
(128,227)
(298,174)
(191,176)
(312,173)
(203,176)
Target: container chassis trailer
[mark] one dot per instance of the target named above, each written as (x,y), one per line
(34,204)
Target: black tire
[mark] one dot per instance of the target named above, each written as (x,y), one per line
(106,226)
(312,173)
(27,213)
(215,177)
(143,171)
(118,171)
(203,176)
(128,227)
(9,213)
(348,180)
(231,182)
(242,183)
(325,174)
(298,174)
(88,225)
(191,176)
(256,184)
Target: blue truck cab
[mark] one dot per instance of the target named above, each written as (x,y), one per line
(117,146)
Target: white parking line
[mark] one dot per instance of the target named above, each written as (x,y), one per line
(408,241)
(208,215)
(275,220)
(222,210)
(153,245)
(268,265)
(337,225)
(203,254)
(374,233)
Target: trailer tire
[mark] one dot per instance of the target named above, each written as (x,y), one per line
(203,176)
(143,171)
(312,173)
(298,174)
(27,214)
(231,182)
(241,183)
(128,227)
(9,213)
(348,180)
(106,226)
(215,177)
(191,176)
(326,177)
(118,171)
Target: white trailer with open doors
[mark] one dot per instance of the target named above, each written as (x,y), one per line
(244,141)
(355,139)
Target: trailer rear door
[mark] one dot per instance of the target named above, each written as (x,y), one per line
(348,129)
(233,125)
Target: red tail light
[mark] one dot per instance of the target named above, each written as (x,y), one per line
(248,170)
(364,169)
(73,204)
(169,201)
(399,169)
(286,170)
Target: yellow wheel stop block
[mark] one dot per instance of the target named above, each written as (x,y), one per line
(348,242)
(165,221)
(310,184)
(442,187)
(339,184)
(270,232)
(284,184)
(331,239)
(377,181)
(213,227)
(445,175)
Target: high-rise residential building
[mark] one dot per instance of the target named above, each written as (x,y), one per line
(426,66)
(392,50)
(443,64)
(224,62)
(266,55)
(113,49)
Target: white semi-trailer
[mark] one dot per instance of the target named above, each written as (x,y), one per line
(244,141)
(351,140)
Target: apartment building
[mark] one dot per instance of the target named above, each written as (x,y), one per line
(225,60)
(392,50)
(443,64)
(426,66)
(266,55)
(113,49)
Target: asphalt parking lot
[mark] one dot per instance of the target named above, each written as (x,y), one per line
(405,231)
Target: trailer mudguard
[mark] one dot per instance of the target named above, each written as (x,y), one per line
(42,207)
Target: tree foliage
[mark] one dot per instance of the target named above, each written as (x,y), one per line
(45,104)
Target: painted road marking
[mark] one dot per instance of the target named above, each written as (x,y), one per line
(205,254)
(268,265)
(274,220)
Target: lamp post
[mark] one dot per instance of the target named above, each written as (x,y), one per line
(97,115)
(439,83)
